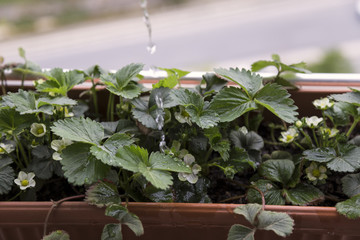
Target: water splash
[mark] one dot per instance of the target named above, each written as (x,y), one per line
(151,47)
(160,122)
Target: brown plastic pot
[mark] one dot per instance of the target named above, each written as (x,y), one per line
(176,221)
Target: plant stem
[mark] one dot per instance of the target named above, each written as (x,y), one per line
(246,119)
(14,197)
(353,125)
(22,150)
(315,138)
(307,137)
(299,146)
(233,198)
(54,205)
(262,196)
(110,108)
(94,95)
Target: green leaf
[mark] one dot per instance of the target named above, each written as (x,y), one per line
(125,217)
(346,162)
(272,193)
(26,103)
(121,83)
(277,170)
(350,208)
(60,82)
(249,82)
(250,140)
(58,101)
(57,235)
(213,83)
(22,53)
(42,164)
(79,129)
(277,100)
(146,112)
(143,114)
(230,103)
(131,156)
(80,167)
(116,141)
(158,195)
(249,211)
(103,194)
(240,232)
(196,107)
(158,178)
(6,175)
(217,143)
(351,184)
(112,231)
(349,97)
(172,79)
(169,82)
(154,168)
(259,65)
(280,223)
(303,194)
(107,152)
(186,192)
(12,122)
(160,161)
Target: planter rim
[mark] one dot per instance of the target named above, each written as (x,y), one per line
(291,208)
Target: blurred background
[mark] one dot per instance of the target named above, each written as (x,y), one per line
(188,34)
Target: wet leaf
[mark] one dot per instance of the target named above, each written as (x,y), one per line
(280,223)
(103,194)
(351,184)
(350,208)
(249,211)
(7,175)
(240,232)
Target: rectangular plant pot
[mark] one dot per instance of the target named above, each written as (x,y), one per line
(176,221)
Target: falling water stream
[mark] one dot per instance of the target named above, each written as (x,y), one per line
(151,47)
(160,122)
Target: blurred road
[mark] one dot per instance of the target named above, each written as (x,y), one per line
(200,37)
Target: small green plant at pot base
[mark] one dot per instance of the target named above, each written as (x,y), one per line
(174,144)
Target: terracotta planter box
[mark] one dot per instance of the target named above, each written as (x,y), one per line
(177,221)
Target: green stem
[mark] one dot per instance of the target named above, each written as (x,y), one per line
(3,82)
(307,137)
(324,117)
(22,151)
(94,95)
(353,125)
(14,197)
(110,108)
(246,116)
(299,146)
(315,138)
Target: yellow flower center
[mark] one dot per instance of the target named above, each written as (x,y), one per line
(289,137)
(316,173)
(40,130)
(24,183)
(2,150)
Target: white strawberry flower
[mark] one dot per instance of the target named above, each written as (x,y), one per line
(38,129)
(289,135)
(323,103)
(25,180)
(58,146)
(6,148)
(313,121)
